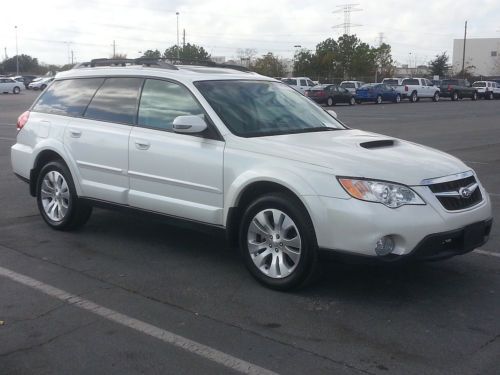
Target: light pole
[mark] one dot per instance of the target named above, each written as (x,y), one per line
(17,55)
(177,14)
(297,46)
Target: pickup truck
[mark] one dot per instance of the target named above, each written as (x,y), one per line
(397,85)
(458,89)
(417,88)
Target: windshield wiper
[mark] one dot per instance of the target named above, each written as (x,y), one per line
(316,129)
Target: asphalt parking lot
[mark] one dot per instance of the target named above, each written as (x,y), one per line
(143,296)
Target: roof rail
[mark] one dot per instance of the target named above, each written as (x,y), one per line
(125,62)
(165,63)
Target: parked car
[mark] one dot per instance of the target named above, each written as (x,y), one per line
(330,95)
(8,85)
(377,93)
(397,85)
(28,79)
(416,88)
(301,84)
(246,155)
(351,86)
(457,89)
(19,79)
(40,84)
(487,89)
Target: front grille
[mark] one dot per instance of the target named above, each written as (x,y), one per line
(457,202)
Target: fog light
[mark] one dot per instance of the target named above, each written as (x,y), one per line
(384,246)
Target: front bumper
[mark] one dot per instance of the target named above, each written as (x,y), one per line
(353,227)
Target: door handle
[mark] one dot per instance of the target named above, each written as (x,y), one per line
(75,133)
(142,145)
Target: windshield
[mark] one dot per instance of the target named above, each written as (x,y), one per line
(261,108)
(479,84)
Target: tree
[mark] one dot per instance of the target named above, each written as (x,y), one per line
(152,54)
(246,55)
(27,64)
(187,52)
(269,65)
(439,66)
(383,61)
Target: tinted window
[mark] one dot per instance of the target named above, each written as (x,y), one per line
(116,101)
(68,97)
(303,82)
(290,81)
(392,82)
(479,84)
(450,82)
(411,82)
(162,102)
(348,85)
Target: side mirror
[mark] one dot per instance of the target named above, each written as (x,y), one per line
(189,124)
(332,113)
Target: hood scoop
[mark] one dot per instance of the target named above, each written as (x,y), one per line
(378,144)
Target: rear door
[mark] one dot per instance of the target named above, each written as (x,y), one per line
(176,174)
(98,142)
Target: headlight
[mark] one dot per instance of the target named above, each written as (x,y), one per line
(390,194)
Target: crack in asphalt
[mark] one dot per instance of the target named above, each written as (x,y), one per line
(489,342)
(48,341)
(197,314)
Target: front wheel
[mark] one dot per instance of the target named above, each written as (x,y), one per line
(413,97)
(42,87)
(16,90)
(330,102)
(397,99)
(352,101)
(490,95)
(454,96)
(57,199)
(435,98)
(278,242)
(474,96)
(378,100)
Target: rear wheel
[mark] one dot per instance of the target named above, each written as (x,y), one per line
(330,102)
(474,96)
(378,100)
(16,90)
(454,96)
(57,200)
(413,97)
(278,242)
(352,101)
(490,95)
(42,87)
(435,97)
(397,99)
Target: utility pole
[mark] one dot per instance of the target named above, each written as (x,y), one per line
(183,38)
(17,55)
(5,50)
(114,49)
(72,57)
(178,46)
(463,54)
(347,9)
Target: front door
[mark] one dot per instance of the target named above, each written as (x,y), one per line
(175,174)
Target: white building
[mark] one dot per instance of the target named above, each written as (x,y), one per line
(482,53)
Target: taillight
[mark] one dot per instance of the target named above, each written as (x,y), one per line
(406,88)
(306,93)
(22,120)
(321,93)
(449,87)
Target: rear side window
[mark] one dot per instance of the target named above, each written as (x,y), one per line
(303,82)
(411,82)
(162,102)
(116,101)
(68,97)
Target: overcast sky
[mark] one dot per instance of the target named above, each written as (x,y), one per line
(49,29)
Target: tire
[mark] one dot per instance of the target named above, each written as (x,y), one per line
(435,97)
(413,97)
(454,96)
(474,96)
(57,199)
(358,102)
(352,101)
(16,90)
(398,99)
(42,87)
(490,95)
(378,100)
(269,259)
(330,102)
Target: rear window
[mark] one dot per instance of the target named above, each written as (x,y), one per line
(479,84)
(68,97)
(392,82)
(116,101)
(449,82)
(290,81)
(348,85)
(411,82)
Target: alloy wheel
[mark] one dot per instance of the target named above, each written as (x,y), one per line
(55,196)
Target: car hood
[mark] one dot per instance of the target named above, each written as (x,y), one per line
(358,153)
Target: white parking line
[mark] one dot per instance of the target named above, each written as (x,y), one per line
(7,139)
(485,252)
(140,326)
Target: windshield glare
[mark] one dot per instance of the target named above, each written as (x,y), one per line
(260,108)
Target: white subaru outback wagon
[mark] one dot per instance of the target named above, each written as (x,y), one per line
(246,154)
